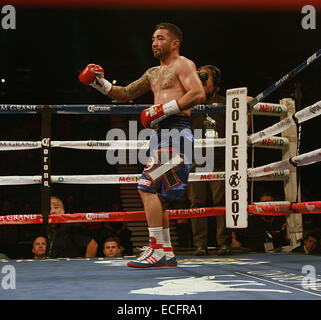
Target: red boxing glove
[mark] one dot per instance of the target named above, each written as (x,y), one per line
(156,113)
(93,75)
(89,74)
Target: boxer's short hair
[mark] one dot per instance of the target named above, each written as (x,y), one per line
(172,28)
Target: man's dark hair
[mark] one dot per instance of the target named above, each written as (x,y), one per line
(114,239)
(172,28)
(314,235)
(217,74)
(40,236)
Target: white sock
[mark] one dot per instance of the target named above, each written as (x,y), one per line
(157,233)
(166,238)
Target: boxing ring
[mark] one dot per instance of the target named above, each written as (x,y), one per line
(273,276)
(246,276)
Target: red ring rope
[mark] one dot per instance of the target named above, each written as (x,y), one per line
(311,207)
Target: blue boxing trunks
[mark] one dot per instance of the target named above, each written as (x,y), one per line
(170,159)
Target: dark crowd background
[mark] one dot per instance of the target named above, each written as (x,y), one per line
(40,61)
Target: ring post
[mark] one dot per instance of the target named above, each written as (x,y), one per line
(236,158)
(46,162)
(291,185)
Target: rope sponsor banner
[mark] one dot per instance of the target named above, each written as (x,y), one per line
(280,175)
(126,109)
(97,109)
(301,160)
(269,109)
(285,208)
(307,207)
(18,108)
(300,116)
(269,208)
(19,180)
(128,144)
(21,219)
(128,178)
(19,145)
(134,215)
(271,143)
(97,179)
(236,158)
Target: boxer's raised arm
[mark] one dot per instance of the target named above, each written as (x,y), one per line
(93,75)
(131,91)
(187,74)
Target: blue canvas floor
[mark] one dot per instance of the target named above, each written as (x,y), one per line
(275,276)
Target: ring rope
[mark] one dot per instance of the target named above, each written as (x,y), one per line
(127,178)
(300,160)
(273,142)
(97,109)
(303,115)
(273,209)
(132,109)
(265,93)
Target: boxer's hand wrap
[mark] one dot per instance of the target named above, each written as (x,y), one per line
(102,85)
(156,113)
(93,75)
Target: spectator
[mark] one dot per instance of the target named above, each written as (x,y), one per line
(39,248)
(264,233)
(112,248)
(69,239)
(310,244)
(117,229)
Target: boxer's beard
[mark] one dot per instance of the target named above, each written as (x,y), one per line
(161,53)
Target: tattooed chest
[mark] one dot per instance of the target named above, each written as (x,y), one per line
(163,79)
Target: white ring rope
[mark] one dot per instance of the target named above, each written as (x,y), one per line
(129,144)
(19,145)
(271,143)
(126,178)
(300,160)
(273,171)
(301,116)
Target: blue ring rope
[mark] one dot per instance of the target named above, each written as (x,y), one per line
(137,109)
(98,109)
(284,79)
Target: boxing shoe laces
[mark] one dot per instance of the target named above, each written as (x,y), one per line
(152,256)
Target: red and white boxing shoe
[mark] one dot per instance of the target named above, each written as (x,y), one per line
(152,256)
(170,257)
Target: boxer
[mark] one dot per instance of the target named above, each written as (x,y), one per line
(177,88)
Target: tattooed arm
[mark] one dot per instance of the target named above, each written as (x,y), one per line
(93,75)
(132,91)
